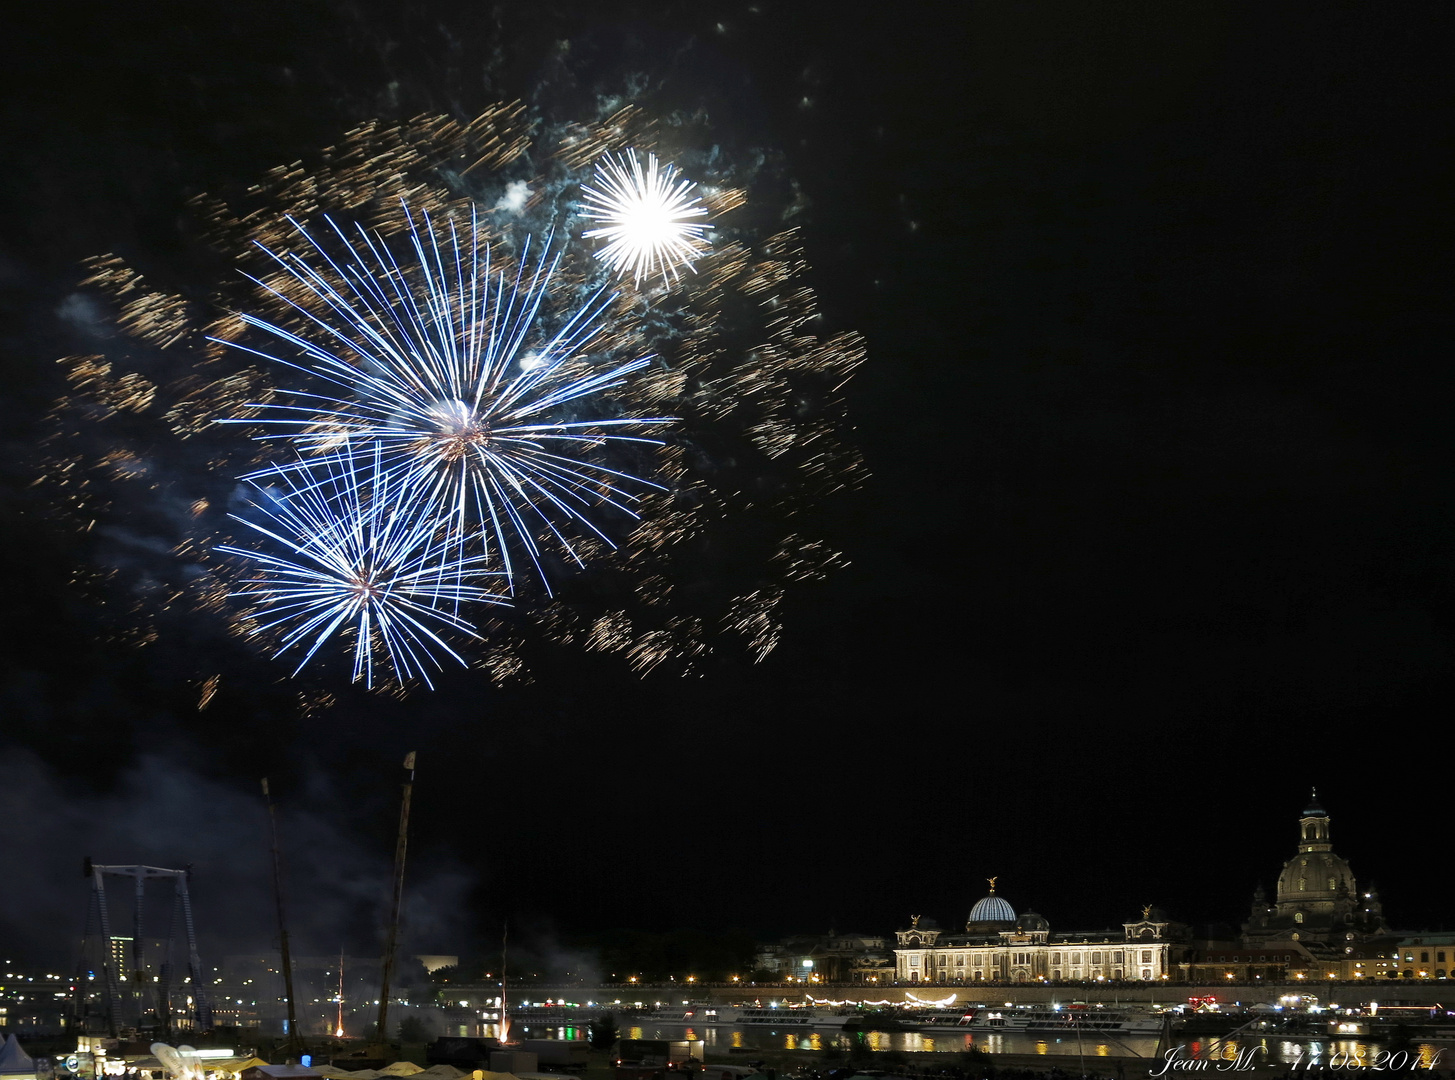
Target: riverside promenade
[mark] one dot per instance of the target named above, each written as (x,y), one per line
(1413,992)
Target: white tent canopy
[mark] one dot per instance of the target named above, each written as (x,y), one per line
(14,1061)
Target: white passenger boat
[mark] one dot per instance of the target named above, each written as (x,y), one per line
(549,1015)
(1062,1019)
(941,1019)
(781,1016)
(697,1014)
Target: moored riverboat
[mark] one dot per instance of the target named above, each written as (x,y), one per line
(1059,1019)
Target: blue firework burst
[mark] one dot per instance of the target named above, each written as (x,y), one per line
(450,372)
(353,556)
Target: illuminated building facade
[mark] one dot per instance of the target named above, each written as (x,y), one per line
(1231,963)
(997,945)
(1423,956)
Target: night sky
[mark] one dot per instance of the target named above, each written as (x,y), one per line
(1157,533)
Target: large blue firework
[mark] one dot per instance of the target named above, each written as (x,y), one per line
(445,369)
(359,559)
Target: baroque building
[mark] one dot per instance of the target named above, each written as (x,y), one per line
(997,945)
(1318,903)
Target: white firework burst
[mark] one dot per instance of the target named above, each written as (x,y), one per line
(359,559)
(647,213)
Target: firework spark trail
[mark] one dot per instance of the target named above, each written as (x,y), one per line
(456,386)
(362,559)
(647,214)
(721,511)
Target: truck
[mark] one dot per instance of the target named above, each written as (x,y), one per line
(461,1052)
(653,1059)
(559,1055)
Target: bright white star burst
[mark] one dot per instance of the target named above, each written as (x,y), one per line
(649,215)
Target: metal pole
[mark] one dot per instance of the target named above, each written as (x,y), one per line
(202,1007)
(400,848)
(164,976)
(138,959)
(108,969)
(294,1038)
(81,991)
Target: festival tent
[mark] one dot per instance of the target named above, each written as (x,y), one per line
(400,1069)
(15,1063)
(279,1072)
(235,1065)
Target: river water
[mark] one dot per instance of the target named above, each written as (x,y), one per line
(1273,1050)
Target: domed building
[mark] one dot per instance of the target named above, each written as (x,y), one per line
(1318,902)
(997,945)
(990,914)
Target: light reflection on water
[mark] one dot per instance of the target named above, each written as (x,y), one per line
(1260,1049)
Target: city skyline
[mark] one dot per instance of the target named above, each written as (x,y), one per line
(437,925)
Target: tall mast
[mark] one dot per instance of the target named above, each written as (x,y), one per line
(295,1038)
(400,848)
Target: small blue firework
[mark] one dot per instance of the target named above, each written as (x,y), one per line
(453,375)
(358,559)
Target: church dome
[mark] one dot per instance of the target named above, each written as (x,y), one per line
(1032,921)
(992,908)
(1315,875)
